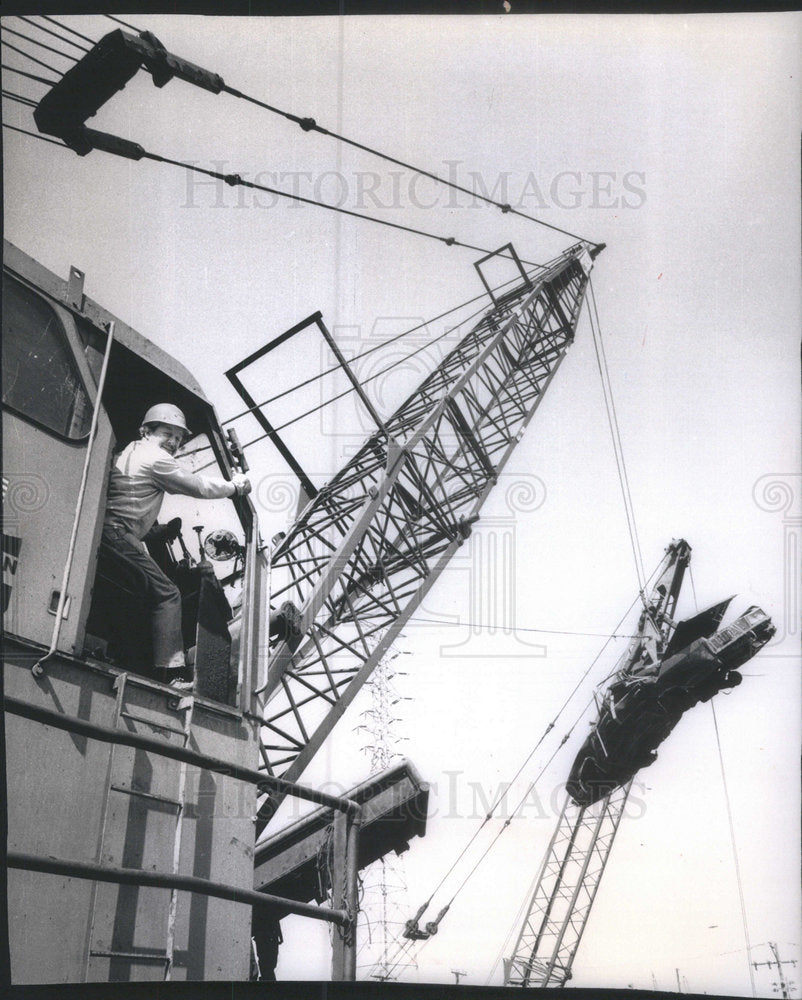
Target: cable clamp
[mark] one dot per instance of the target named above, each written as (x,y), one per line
(232,179)
(505,208)
(307,124)
(449,241)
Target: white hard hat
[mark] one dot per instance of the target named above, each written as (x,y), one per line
(166,413)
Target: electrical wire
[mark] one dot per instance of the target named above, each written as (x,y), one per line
(734,849)
(521,628)
(27,55)
(55,34)
(35,41)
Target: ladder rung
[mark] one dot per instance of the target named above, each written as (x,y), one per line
(146,795)
(132,956)
(151,722)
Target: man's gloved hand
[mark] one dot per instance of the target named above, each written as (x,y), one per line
(241,484)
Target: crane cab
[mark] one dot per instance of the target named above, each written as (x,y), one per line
(70,797)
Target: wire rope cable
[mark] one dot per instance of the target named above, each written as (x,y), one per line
(35,41)
(378,347)
(500,797)
(27,55)
(34,135)
(603,353)
(55,34)
(310,125)
(607,394)
(30,76)
(66,27)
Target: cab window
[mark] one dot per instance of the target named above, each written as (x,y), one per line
(41,380)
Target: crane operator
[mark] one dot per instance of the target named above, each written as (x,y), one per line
(143,472)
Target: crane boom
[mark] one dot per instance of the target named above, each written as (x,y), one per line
(576,857)
(368,547)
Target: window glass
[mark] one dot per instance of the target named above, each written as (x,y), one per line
(40,377)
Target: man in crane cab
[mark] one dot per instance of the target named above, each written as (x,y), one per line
(140,476)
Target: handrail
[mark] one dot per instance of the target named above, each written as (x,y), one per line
(37,669)
(189,883)
(104,734)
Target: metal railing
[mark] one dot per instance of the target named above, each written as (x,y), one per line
(346,838)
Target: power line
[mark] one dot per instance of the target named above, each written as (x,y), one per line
(55,34)
(35,41)
(30,76)
(550,631)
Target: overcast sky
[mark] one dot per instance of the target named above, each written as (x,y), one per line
(674,140)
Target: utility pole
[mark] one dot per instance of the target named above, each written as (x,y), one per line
(779,963)
(457,974)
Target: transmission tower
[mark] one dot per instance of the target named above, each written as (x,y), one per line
(384,884)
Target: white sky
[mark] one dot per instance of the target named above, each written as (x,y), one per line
(691,127)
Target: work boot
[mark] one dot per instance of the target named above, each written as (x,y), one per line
(180,678)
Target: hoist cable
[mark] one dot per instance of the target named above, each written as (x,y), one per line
(350,389)
(234,180)
(125,24)
(532,784)
(35,41)
(55,34)
(376,347)
(30,76)
(310,125)
(734,851)
(27,55)
(35,135)
(618,458)
(20,99)
(615,422)
(66,27)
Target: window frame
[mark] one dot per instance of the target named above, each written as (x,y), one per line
(72,341)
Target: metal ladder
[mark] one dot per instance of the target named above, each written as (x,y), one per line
(131,805)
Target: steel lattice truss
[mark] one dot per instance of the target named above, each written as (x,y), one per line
(580,847)
(561,903)
(363,554)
